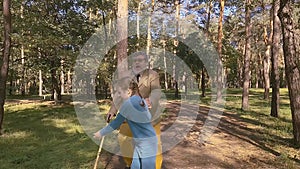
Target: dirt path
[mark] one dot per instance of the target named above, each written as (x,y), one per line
(233,145)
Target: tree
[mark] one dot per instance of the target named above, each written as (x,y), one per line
(122,44)
(245,99)
(203,71)
(266,60)
(292,67)
(5,57)
(220,37)
(275,79)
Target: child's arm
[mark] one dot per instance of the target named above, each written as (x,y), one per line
(111,127)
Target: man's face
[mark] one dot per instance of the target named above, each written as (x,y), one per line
(139,64)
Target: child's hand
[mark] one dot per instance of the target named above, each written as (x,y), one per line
(148,101)
(97,135)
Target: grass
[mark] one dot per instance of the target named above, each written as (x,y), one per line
(43,135)
(273,133)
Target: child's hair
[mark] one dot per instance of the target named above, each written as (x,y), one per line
(127,83)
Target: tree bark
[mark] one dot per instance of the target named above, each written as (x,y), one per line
(292,68)
(165,60)
(266,61)
(149,38)
(122,28)
(219,62)
(203,71)
(62,78)
(275,79)
(5,59)
(245,97)
(56,90)
(40,83)
(175,66)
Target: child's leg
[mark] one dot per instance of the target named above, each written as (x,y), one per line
(148,163)
(136,161)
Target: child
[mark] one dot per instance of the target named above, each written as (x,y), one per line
(135,111)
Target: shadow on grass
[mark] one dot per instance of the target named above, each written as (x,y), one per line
(33,140)
(235,123)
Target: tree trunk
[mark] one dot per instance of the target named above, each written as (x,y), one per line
(40,83)
(69,81)
(275,79)
(23,80)
(165,60)
(209,8)
(292,68)
(56,90)
(203,82)
(245,97)
(220,37)
(266,62)
(138,27)
(149,38)
(175,67)
(62,78)
(5,57)
(122,27)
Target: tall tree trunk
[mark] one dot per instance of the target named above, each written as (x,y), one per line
(275,79)
(220,37)
(266,62)
(292,68)
(138,27)
(149,38)
(62,78)
(5,57)
(165,60)
(175,66)
(203,71)
(203,81)
(69,81)
(260,71)
(40,76)
(23,81)
(40,83)
(245,97)
(122,28)
(56,90)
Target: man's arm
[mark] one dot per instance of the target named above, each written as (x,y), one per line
(115,105)
(155,95)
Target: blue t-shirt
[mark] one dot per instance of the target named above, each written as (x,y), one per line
(137,117)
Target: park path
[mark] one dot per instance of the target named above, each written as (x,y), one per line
(233,145)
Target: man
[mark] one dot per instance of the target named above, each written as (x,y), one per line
(150,90)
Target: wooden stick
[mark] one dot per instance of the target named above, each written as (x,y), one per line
(98,154)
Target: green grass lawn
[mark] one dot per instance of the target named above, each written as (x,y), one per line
(49,136)
(44,136)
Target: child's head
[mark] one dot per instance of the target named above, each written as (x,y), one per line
(127,87)
(122,88)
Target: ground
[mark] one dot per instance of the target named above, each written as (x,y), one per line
(233,145)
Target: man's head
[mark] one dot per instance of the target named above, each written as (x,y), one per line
(139,62)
